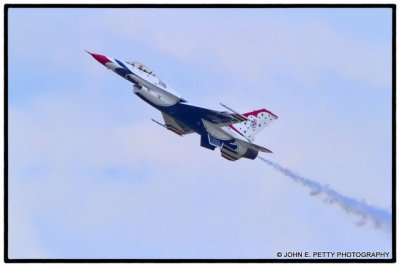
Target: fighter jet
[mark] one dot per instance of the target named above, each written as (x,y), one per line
(232,132)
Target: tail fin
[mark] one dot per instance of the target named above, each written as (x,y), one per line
(257,120)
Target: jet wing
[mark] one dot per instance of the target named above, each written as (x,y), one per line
(220,118)
(175,126)
(232,118)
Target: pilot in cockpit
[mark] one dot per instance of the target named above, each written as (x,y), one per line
(142,67)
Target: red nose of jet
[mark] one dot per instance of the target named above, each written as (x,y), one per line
(100,58)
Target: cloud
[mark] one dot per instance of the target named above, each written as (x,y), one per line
(55,154)
(257,48)
(172,187)
(168,190)
(24,239)
(260,47)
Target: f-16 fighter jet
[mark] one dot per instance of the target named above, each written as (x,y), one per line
(232,132)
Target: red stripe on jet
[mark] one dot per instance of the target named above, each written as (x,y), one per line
(175,131)
(256,112)
(236,130)
(100,58)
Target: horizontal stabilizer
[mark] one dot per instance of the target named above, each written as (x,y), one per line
(263,149)
(254,146)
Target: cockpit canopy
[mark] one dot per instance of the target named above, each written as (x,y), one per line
(141,67)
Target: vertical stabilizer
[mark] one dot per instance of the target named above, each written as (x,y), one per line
(256,122)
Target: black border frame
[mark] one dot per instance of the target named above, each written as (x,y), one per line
(277,260)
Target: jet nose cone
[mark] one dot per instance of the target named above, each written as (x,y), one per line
(100,58)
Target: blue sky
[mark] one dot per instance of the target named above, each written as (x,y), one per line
(90,176)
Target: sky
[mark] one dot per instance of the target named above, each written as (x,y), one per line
(91,176)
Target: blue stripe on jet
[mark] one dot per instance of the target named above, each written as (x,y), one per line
(122,65)
(123,72)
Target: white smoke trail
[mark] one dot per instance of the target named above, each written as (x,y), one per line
(378,217)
